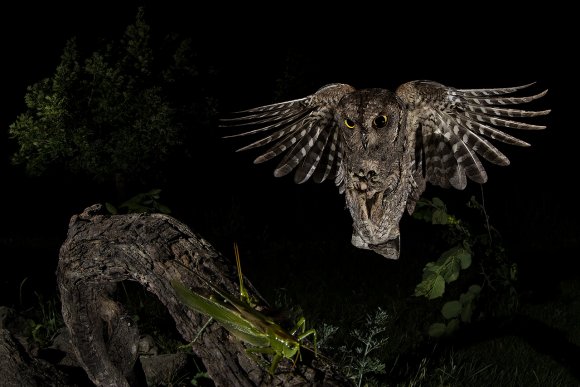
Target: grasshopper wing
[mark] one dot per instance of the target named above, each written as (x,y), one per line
(229,317)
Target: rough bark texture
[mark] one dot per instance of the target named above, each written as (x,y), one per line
(18,368)
(153,249)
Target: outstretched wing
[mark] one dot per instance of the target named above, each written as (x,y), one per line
(303,129)
(453,128)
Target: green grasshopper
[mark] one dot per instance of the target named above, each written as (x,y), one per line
(246,323)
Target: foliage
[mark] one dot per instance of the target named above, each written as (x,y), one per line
(357,358)
(325,334)
(465,238)
(44,321)
(445,270)
(114,114)
(454,312)
(199,378)
(142,202)
(481,367)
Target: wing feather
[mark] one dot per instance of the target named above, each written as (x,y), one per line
(493,91)
(515,113)
(312,159)
(328,158)
(290,138)
(457,123)
(300,149)
(302,129)
(502,100)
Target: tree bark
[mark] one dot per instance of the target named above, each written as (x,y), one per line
(18,368)
(154,249)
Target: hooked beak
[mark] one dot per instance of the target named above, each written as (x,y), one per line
(365,140)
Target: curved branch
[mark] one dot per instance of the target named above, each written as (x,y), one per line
(151,249)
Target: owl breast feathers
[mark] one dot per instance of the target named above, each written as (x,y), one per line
(382,147)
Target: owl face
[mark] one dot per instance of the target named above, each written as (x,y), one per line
(374,141)
(368,119)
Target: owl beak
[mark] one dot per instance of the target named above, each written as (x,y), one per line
(365,140)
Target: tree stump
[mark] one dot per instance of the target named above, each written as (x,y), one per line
(154,249)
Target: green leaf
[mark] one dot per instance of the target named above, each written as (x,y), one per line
(137,208)
(451,309)
(436,330)
(452,272)
(444,257)
(466,298)
(438,203)
(431,287)
(431,266)
(423,212)
(451,253)
(163,209)
(452,326)
(474,289)
(467,312)
(111,208)
(452,261)
(430,269)
(464,258)
(439,217)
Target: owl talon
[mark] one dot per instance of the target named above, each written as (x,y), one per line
(390,249)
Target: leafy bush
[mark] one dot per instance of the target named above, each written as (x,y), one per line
(115,115)
(496,272)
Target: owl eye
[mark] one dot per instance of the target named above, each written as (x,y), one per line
(349,123)
(380,121)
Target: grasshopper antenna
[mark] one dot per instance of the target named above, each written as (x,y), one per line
(243,292)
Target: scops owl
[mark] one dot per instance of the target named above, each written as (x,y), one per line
(382,147)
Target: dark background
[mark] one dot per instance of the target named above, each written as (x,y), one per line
(221,195)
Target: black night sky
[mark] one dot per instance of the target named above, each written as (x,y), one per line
(224,197)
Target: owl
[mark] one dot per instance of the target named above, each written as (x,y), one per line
(381,147)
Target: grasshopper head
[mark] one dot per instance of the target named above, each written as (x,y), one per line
(291,349)
(285,345)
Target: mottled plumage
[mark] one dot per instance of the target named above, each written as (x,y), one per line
(382,147)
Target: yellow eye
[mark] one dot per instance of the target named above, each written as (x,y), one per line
(380,121)
(349,123)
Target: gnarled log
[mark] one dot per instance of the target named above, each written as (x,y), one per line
(152,249)
(19,368)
